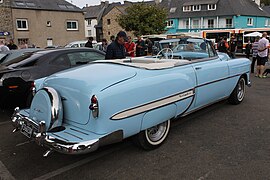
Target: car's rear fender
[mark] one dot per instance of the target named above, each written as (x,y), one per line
(133,103)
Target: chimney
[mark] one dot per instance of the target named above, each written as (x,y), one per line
(158,1)
(86,5)
(258,2)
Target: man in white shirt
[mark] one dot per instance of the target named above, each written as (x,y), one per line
(3,47)
(263,46)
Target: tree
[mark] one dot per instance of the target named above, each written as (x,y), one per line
(143,19)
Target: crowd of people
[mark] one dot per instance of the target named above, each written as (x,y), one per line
(4,46)
(122,46)
(259,50)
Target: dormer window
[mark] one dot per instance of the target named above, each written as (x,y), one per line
(186,8)
(172,10)
(212,7)
(196,7)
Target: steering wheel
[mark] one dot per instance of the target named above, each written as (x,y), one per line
(165,53)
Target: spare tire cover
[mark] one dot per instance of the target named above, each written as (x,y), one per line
(47,106)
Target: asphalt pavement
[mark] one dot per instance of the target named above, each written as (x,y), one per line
(222,141)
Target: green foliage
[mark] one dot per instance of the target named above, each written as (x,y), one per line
(265,2)
(143,19)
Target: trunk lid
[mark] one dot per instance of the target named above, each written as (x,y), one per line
(77,86)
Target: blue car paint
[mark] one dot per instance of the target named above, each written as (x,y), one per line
(122,88)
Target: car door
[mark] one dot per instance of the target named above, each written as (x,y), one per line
(212,75)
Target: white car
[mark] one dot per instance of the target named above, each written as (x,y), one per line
(75,44)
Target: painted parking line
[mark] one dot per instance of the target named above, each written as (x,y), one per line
(4,173)
(82,162)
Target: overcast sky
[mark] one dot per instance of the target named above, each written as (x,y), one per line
(82,3)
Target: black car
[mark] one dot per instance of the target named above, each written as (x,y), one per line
(12,54)
(17,76)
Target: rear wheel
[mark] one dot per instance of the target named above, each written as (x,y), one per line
(238,93)
(153,137)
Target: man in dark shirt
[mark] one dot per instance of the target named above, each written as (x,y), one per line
(233,47)
(89,42)
(11,45)
(116,50)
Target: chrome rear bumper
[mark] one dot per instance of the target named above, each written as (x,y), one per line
(43,138)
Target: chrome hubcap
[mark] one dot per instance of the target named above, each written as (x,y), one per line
(241,90)
(157,132)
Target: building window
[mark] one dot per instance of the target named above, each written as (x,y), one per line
(89,21)
(228,23)
(210,23)
(172,10)
(186,8)
(89,33)
(108,21)
(196,7)
(22,24)
(250,21)
(49,24)
(195,24)
(212,7)
(169,23)
(72,25)
(109,33)
(23,41)
(186,24)
(1,1)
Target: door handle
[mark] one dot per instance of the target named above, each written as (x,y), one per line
(198,68)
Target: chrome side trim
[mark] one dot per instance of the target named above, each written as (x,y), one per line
(153,105)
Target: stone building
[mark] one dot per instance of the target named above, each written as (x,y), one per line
(43,23)
(6,24)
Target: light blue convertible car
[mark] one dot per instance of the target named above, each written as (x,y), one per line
(76,111)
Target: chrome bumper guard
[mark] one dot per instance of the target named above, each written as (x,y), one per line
(42,138)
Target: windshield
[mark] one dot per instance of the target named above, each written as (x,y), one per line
(194,45)
(23,59)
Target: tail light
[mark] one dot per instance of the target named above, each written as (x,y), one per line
(33,88)
(94,106)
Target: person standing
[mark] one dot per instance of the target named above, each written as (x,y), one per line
(223,45)
(3,47)
(149,46)
(89,42)
(116,50)
(11,45)
(104,45)
(232,47)
(262,55)
(248,49)
(140,47)
(130,47)
(254,53)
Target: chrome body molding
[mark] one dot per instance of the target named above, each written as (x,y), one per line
(153,105)
(55,107)
(58,144)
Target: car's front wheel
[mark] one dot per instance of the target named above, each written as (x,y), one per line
(153,137)
(238,93)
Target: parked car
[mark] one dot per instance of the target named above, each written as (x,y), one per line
(17,76)
(76,111)
(12,54)
(76,44)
